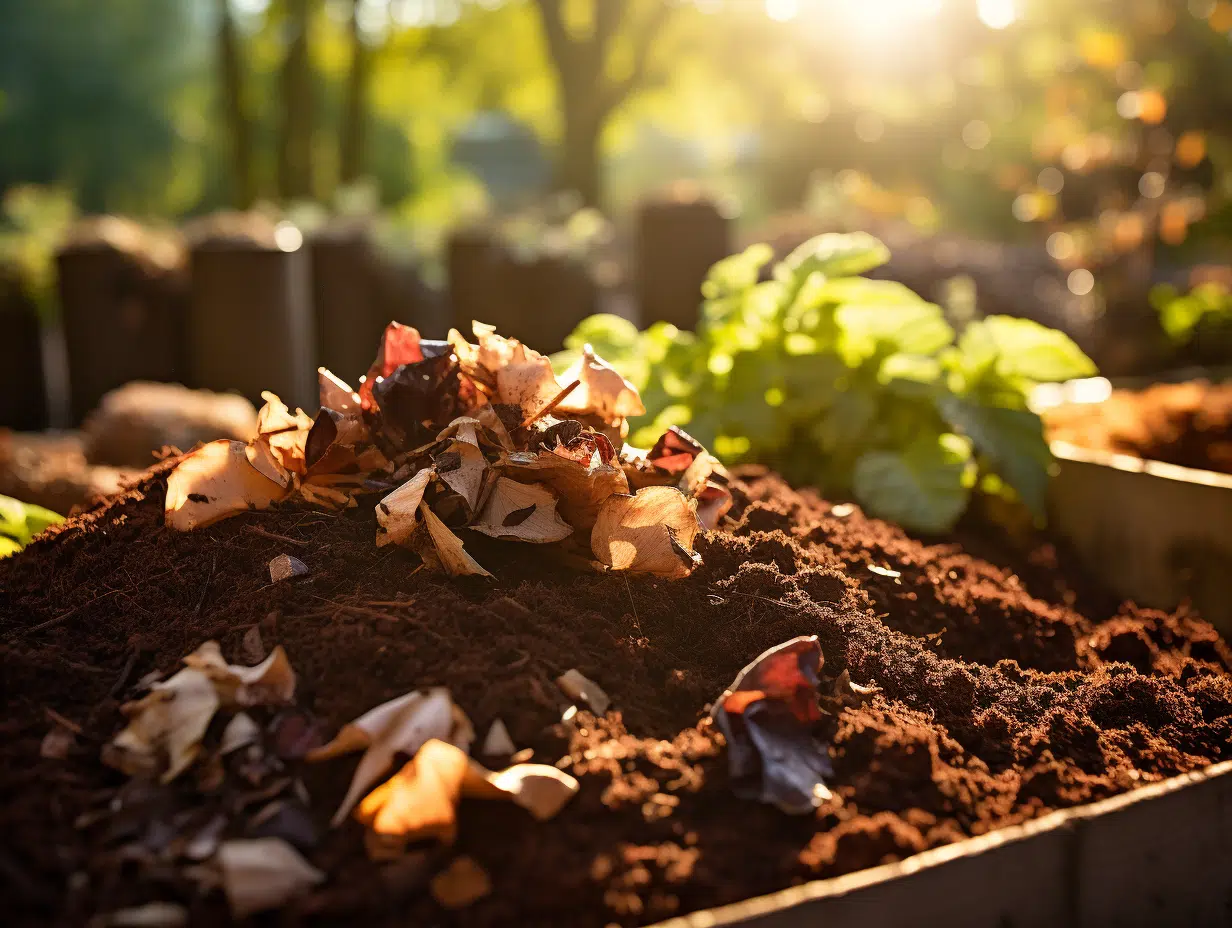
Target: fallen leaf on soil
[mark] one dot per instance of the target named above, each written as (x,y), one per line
(215,481)
(240,732)
(581,489)
(540,789)
(397,514)
(463,883)
(601,391)
(336,394)
(269,683)
(165,728)
(263,873)
(767,716)
(462,467)
(284,567)
(525,511)
(267,463)
(578,687)
(452,556)
(400,344)
(418,803)
(401,725)
(252,647)
(650,532)
(150,915)
(498,743)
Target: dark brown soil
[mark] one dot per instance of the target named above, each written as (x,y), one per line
(995,706)
(1189,424)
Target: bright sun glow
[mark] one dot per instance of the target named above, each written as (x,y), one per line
(996,14)
(782,10)
(862,14)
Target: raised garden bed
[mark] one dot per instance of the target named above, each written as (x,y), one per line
(1005,694)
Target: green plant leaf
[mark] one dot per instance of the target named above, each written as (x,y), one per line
(737,273)
(836,255)
(1035,352)
(1012,439)
(8,546)
(22,521)
(865,330)
(925,487)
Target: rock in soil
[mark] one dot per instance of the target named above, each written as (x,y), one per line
(1000,694)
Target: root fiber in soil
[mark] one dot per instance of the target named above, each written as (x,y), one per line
(1002,695)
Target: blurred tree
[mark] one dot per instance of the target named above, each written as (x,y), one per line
(235,107)
(297,117)
(600,52)
(353,131)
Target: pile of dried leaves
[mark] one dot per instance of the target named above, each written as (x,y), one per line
(452,435)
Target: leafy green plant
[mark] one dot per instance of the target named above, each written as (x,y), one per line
(1206,307)
(20,522)
(856,385)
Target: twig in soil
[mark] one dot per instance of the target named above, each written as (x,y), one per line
(123,678)
(205,589)
(552,404)
(274,536)
(56,717)
(765,599)
(51,623)
(636,621)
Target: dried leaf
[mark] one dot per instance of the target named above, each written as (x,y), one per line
(463,883)
(525,511)
(601,391)
(578,687)
(240,732)
(270,683)
(417,803)
(214,482)
(400,344)
(397,514)
(448,547)
(581,489)
(416,397)
(767,716)
(163,736)
(57,743)
(284,567)
(252,647)
(540,789)
(316,490)
(150,915)
(275,417)
(401,725)
(335,394)
(498,743)
(466,478)
(267,464)
(488,417)
(263,873)
(332,443)
(649,532)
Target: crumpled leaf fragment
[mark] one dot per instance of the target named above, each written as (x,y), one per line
(397,515)
(601,391)
(240,732)
(283,432)
(284,567)
(165,728)
(767,716)
(540,789)
(581,489)
(215,481)
(450,554)
(334,393)
(463,468)
(498,743)
(269,683)
(415,397)
(462,883)
(263,873)
(333,442)
(524,511)
(401,725)
(651,532)
(400,344)
(580,688)
(677,459)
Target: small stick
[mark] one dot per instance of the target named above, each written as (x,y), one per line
(128,668)
(63,617)
(205,589)
(275,537)
(552,404)
(636,622)
(56,717)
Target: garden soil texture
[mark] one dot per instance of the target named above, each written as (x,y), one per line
(1002,694)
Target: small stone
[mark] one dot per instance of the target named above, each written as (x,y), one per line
(576,687)
(462,883)
(285,567)
(498,743)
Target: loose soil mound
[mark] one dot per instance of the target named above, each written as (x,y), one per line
(995,706)
(1189,424)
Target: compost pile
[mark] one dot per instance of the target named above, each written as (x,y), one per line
(1189,424)
(281,708)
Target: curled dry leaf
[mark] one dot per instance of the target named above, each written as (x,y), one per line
(579,688)
(601,390)
(397,514)
(400,344)
(464,882)
(450,554)
(240,732)
(401,725)
(540,789)
(418,803)
(215,481)
(269,683)
(165,728)
(267,464)
(650,532)
(581,489)
(767,716)
(335,394)
(333,442)
(463,468)
(525,511)
(263,873)
(498,743)
(284,567)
